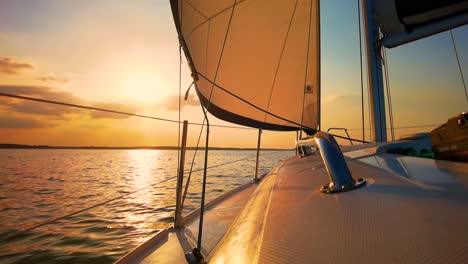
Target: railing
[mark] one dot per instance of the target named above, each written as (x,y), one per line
(180,196)
(345,130)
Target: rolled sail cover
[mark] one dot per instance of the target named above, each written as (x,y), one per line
(403,21)
(254,62)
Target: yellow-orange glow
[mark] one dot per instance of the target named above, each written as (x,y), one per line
(142,86)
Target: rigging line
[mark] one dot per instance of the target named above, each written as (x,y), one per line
(249,157)
(83,210)
(209,99)
(205,170)
(348,138)
(279,60)
(201,129)
(82,106)
(207,46)
(263,110)
(380,95)
(180,93)
(205,110)
(389,95)
(181,15)
(249,103)
(108,110)
(406,127)
(368,101)
(220,56)
(214,166)
(421,126)
(194,9)
(213,16)
(361,73)
(306,68)
(319,67)
(459,65)
(218,165)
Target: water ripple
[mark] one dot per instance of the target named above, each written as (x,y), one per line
(40,185)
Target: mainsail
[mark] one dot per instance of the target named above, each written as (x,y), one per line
(255,63)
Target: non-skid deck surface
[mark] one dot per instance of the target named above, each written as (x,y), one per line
(216,221)
(391,220)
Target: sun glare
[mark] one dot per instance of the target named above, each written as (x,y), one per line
(143,87)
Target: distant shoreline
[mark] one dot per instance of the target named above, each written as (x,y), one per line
(21,146)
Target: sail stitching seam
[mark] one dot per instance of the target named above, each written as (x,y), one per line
(195,9)
(279,60)
(213,16)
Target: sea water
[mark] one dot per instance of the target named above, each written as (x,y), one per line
(130,195)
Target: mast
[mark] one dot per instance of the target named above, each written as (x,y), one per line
(375,77)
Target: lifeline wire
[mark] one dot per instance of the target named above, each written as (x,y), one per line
(152,117)
(405,127)
(219,165)
(119,197)
(108,110)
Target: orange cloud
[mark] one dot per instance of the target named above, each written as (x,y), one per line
(56,111)
(12,67)
(21,122)
(50,77)
(171,103)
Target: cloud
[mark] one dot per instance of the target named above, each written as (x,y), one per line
(333,98)
(57,111)
(19,122)
(171,103)
(340,97)
(13,67)
(51,77)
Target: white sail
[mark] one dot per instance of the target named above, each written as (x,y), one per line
(255,63)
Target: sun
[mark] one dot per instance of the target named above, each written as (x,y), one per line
(142,86)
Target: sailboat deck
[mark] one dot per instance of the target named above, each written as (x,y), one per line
(170,245)
(416,216)
(412,210)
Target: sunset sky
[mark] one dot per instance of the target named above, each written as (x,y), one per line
(123,55)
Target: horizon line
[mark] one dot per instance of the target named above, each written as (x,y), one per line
(34,146)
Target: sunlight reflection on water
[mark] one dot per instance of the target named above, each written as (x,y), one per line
(38,185)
